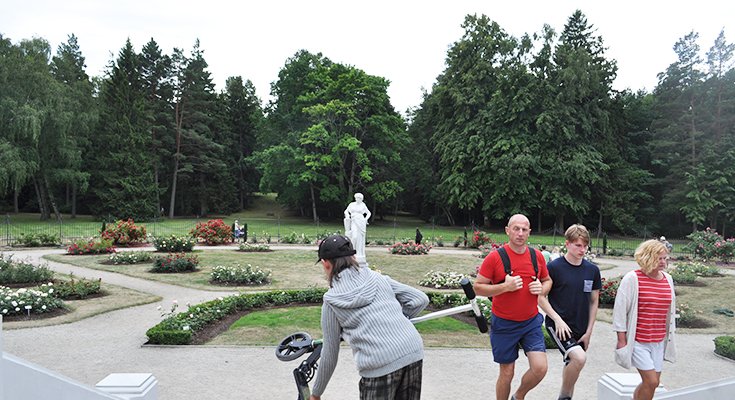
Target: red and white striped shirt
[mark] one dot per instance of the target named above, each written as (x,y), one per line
(654,300)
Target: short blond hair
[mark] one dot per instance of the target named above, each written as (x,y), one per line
(646,255)
(577,231)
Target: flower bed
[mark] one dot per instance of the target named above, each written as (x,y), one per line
(91,246)
(213,232)
(409,248)
(129,257)
(125,232)
(609,291)
(479,238)
(28,301)
(254,248)
(710,245)
(239,275)
(486,249)
(442,280)
(175,262)
(173,243)
(699,269)
(13,272)
(295,238)
(77,289)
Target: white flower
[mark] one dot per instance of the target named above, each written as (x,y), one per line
(43,307)
(186,327)
(5,310)
(17,309)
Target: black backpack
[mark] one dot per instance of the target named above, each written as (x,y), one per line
(506,260)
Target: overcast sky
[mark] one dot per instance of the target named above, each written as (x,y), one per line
(404,41)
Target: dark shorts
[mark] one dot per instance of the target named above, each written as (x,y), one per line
(403,384)
(506,336)
(565,346)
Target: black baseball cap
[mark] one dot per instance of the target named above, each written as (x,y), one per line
(335,246)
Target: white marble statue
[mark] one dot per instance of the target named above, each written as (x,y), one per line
(356,221)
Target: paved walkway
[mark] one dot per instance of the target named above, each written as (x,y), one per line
(90,349)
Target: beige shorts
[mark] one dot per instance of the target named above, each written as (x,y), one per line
(648,356)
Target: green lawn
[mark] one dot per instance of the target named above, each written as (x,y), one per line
(263,328)
(291,269)
(266,220)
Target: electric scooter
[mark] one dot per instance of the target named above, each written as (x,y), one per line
(297,344)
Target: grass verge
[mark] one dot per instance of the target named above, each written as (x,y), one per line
(266,327)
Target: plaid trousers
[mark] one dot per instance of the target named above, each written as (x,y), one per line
(403,384)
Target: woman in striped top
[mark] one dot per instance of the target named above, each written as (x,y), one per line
(643,317)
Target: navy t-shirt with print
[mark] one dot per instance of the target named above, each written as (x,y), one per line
(571,291)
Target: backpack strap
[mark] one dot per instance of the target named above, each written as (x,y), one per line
(533,261)
(506,260)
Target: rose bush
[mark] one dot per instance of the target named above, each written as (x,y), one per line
(409,248)
(213,232)
(609,290)
(175,262)
(442,279)
(173,243)
(124,232)
(27,301)
(710,245)
(240,275)
(91,246)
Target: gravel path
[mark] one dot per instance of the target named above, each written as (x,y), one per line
(90,349)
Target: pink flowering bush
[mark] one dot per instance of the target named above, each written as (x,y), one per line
(609,290)
(709,245)
(409,248)
(175,262)
(91,246)
(213,232)
(125,232)
(488,248)
(479,238)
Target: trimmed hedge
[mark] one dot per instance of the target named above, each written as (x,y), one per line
(725,346)
(180,329)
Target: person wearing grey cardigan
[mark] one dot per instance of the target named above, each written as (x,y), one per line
(371,312)
(647,357)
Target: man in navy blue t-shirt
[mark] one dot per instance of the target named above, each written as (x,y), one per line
(571,305)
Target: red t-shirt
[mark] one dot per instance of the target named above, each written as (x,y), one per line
(654,300)
(519,305)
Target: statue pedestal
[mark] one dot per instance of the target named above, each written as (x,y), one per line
(362,261)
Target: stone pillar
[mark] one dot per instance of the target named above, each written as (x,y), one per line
(130,386)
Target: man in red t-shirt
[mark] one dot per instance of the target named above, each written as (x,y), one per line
(516,320)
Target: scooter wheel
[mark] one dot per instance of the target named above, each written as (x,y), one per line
(293,346)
